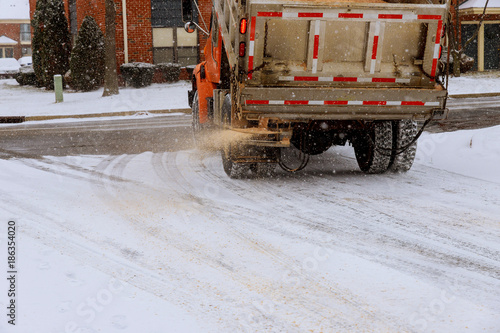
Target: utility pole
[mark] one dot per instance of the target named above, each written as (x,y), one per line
(110,74)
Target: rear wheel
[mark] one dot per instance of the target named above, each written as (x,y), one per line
(404,131)
(229,151)
(373,147)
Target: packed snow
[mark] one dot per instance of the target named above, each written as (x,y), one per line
(165,242)
(19,100)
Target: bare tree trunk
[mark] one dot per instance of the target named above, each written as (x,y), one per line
(110,75)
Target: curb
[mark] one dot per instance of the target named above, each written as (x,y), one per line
(475,95)
(99,115)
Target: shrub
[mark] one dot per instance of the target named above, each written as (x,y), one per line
(26,76)
(169,71)
(138,74)
(87,57)
(51,41)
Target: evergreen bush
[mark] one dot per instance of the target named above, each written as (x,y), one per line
(138,74)
(51,41)
(87,57)
(169,71)
(26,76)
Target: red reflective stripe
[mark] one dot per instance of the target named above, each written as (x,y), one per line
(391,16)
(434,67)
(375,46)
(316,47)
(305,78)
(374,102)
(412,103)
(439,31)
(336,102)
(252,39)
(252,28)
(270,14)
(249,102)
(350,15)
(383,80)
(429,17)
(310,14)
(345,79)
(296,102)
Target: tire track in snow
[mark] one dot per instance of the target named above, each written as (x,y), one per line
(436,246)
(355,306)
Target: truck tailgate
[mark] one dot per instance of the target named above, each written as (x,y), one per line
(349,44)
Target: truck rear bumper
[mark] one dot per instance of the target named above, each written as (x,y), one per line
(343,104)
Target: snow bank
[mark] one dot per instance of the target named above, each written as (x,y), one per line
(9,66)
(474,153)
(475,83)
(30,101)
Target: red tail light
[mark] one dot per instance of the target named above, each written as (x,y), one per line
(243,26)
(243,49)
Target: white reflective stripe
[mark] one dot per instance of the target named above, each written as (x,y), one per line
(393,103)
(325,78)
(437,47)
(251,48)
(431,103)
(372,66)
(370,16)
(277,102)
(316,28)
(410,17)
(377,28)
(364,79)
(287,14)
(355,102)
(316,102)
(315,65)
(403,80)
(287,78)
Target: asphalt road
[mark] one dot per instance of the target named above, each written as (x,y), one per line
(469,113)
(100,137)
(173,133)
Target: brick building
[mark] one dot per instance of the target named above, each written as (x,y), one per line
(146,30)
(485,49)
(15,29)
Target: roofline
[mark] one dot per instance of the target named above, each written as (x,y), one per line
(14,21)
(479,11)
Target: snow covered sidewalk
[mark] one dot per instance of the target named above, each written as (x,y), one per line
(27,101)
(16,100)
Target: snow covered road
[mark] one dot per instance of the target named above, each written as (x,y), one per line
(165,242)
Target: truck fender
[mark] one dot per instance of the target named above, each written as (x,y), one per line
(205,90)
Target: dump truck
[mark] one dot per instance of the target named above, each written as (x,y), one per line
(304,76)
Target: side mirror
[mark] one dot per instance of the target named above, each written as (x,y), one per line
(190,27)
(187,11)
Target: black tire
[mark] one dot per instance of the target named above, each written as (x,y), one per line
(373,147)
(404,131)
(231,168)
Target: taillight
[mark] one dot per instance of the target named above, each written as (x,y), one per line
(243,26)
(243,49)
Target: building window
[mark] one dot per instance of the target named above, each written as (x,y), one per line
(170,42)
(25,33)
(26,51)
(175,45)
(6,52)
